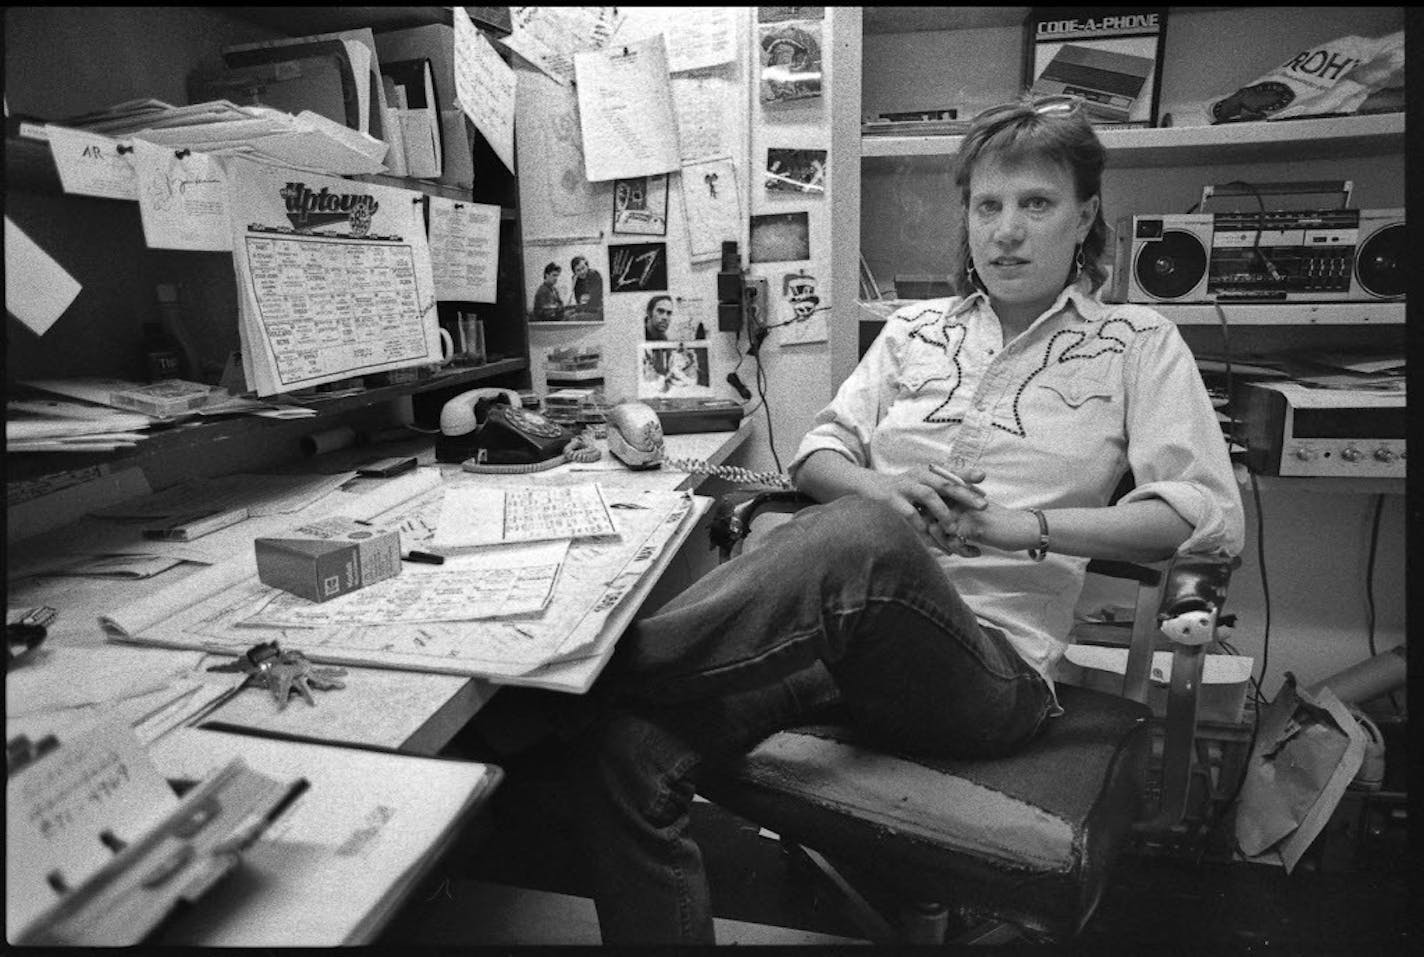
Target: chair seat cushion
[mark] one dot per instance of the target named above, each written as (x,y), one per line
(1040,822)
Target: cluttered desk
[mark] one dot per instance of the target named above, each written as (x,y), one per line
(188,652)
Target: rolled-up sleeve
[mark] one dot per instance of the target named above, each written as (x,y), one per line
(1175,445)
(845,425)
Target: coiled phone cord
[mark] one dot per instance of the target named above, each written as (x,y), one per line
(580,449)
(731,473)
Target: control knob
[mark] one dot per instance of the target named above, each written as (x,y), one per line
(1351,453)
(1386,454)
(1308,453)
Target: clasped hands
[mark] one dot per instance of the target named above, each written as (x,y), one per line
(954,512)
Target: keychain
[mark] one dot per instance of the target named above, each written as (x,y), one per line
(282,672)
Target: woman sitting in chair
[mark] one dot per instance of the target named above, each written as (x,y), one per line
(964,470)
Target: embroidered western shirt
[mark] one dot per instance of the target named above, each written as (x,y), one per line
(1055,418)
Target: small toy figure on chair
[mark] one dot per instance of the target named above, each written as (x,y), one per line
(282,672)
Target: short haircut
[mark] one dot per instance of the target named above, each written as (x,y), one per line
(552,267)
(1017,132)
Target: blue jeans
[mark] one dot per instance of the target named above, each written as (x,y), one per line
(843,604)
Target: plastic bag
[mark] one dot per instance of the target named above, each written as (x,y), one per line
(1308,750)
(1344,76)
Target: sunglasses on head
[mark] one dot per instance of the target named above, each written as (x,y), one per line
(1056,104)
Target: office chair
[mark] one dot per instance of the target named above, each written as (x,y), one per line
(1018,846)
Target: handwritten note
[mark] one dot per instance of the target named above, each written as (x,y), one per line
(37,289)
(625,111)
(704,108)
(484,85)
(464,249)
(182,198)
(91,165)
(557,204)
(696,37)
(713,207)
(100,779)
(548,37)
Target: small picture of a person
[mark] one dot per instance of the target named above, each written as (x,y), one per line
(657,318)
(548,303)
(683,368)
(588,284)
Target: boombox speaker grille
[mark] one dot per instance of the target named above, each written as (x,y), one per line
(1379,262)
(1170,267)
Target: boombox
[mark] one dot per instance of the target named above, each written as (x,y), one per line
(1326,255)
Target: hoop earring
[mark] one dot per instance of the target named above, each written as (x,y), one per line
(1078,261)
(974,280)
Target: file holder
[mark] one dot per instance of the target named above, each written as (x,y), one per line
(175,861)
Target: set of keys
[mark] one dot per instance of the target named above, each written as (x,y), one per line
(280,672)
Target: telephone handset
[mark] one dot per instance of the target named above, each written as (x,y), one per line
(490,427)
(635,438)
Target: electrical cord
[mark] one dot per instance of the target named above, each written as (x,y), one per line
(1260,226)
(766,409)
(1370,618)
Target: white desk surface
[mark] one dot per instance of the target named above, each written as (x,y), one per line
(416,712)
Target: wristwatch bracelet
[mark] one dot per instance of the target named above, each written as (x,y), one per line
(1037,554)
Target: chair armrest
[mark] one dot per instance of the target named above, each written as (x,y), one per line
(1192,598)
(734,512)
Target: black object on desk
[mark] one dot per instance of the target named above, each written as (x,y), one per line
(27,632)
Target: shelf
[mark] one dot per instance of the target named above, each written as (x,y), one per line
(29,165)
(304,21)
(199,434)
(926,19)
(1324,138)
(1286,313)
(1237,313)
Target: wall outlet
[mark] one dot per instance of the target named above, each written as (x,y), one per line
(756,306)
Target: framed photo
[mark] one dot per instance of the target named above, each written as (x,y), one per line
(1109,56)
(674,369)
(566,287)
(637,267)
(640,205)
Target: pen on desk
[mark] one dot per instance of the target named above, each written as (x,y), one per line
(424,558)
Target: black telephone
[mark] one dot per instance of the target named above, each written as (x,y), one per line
(490,427)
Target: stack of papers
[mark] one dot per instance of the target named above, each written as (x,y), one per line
(44,424)
(306,141)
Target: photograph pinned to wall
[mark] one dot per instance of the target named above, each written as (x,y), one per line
(796,171)
(637,267)
(668,318)
(803,318)
(640,205)
(781,237)
(674,370)
(790,60)
(779,14)
(566,287)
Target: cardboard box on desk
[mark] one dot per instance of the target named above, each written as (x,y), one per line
(328,558)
